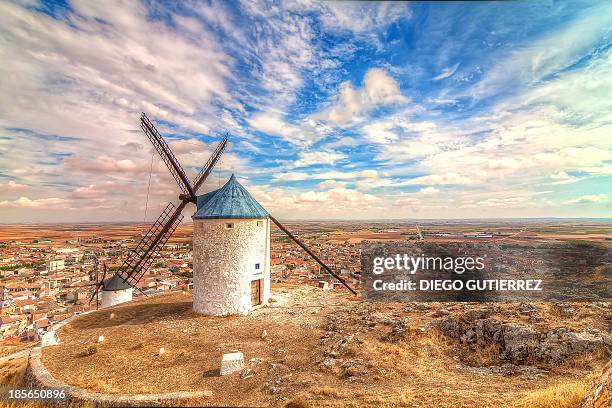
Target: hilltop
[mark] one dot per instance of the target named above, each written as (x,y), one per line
(326,348)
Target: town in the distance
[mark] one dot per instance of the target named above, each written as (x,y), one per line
(49,272)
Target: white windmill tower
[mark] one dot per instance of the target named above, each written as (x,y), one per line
(231,241)
(231,252)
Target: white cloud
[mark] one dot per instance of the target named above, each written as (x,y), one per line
(272,123)
(379,89)
(332,184)
(559,49)
(562,177)
(429,191)
(409,202)
(591,199)
(11,185)
(342,175)
(440,179)
(447,72)
(25,202)
(312,158)
(359,16)
(380,132)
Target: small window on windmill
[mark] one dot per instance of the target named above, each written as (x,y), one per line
(260,223)
(257,266)
(229,225)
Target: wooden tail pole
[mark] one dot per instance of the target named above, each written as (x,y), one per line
(98,285)
(316,258)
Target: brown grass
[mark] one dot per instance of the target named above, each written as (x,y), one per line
(14,348)
(327,392)
(12,373)
(566,394)
(422,368)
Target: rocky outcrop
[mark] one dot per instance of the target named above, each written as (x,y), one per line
(522,344)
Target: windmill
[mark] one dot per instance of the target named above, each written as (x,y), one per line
(419,234)
(118,288)
(149,247)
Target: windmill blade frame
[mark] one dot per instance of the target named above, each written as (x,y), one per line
(147,250)
(209,165)
(167,156)
(141,258)
(312,254)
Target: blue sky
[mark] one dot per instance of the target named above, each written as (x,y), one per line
(334,109)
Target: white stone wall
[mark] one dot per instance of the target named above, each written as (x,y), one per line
(114,297)
(224,264)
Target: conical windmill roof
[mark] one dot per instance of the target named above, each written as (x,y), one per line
(230,201)
(115,283)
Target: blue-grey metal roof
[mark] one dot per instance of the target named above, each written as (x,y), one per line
(230,201)
(115,283)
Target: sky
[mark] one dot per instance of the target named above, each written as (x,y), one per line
(334,110)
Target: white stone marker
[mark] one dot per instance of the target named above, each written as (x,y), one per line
(50,338)
(232,362)
(101,339)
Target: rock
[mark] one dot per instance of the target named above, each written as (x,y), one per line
(333,323)
(340,346)
(352,368)
(468,337)
(521,344)
(527,309)
(507,369)
(329,363)
(397,333)
(562,344)
(50,338)
(231,362)
(255,361)
(439,313)
(565,309)
(246,373)
(600,395)
(416,307)
(264,334)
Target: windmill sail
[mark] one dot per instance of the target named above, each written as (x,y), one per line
(148,249)
(207,168)
(167,156)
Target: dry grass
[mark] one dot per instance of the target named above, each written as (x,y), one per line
(326,391)
(12,375)
(420,369)
(566,394)
(14,348)
(299,402)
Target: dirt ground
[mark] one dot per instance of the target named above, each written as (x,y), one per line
(309,348)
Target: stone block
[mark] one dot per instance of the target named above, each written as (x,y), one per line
(50,338)
(232,362)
